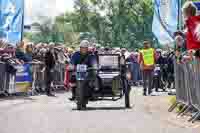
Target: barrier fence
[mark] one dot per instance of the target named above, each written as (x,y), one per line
(7,80)
(187,84)
(3,80)
(29,78)
(59,75)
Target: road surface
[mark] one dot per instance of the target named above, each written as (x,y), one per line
(42,114)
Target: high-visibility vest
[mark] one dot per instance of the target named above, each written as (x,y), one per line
(148,56)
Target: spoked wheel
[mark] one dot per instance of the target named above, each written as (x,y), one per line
(81,104)
(127,94)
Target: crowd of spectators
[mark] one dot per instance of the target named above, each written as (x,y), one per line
(30,52)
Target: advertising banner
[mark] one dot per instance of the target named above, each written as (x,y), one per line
(23,78)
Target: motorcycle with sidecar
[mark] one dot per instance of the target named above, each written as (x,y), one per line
(108,79)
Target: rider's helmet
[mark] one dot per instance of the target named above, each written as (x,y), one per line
(84,44)
(84,47)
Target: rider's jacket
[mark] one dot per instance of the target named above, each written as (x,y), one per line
(88,59)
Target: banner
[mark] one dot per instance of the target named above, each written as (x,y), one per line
(23,73)
(193,32)
(165,20)
(11,20)
(23,78)
(193,29)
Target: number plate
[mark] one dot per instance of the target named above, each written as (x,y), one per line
(157,69)
(81,68)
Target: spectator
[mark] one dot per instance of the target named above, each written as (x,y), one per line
(170,70)
(192,23)
(147,61)
(180,46)
(20,54)
(29,51)
(107,50)
(49,65)
(133,58)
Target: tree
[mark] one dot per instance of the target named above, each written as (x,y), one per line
(48,33)
(130,22)
(116,23)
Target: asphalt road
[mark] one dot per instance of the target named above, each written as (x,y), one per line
(42,114)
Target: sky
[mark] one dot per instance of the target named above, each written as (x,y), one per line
(50,8)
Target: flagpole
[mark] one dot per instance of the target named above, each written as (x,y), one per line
(22,26)
(7,38)
(179,15)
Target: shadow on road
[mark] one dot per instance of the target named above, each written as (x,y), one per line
(103,108)
(5,98)
(23,96)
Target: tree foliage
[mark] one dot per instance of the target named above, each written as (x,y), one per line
(116,23)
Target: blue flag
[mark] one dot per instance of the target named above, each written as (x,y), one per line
(197,4)
(165,20)
(11,20)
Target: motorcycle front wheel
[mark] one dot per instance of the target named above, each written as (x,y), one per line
(80,97)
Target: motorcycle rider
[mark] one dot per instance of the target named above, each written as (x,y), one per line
(81,57)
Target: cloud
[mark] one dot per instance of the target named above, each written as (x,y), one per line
(63,5)
(49,8)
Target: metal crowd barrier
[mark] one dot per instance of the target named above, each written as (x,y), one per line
(7,81)
(187,83)
(10,83)
(59,76)
(38,75)
(2,78)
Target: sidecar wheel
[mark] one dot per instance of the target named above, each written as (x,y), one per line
(127,94)
(127,101)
